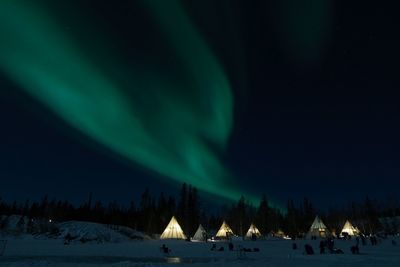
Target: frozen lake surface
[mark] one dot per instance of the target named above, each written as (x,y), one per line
(28,251)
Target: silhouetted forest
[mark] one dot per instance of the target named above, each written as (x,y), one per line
(152,214)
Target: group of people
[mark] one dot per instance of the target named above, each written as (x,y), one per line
(330,245)
(323,245)
(356,250)
(214,247)
(373,240)
(326,245)
(222,248)
(231,248)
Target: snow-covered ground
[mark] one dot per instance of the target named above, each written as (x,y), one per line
(28,251)
(93,244)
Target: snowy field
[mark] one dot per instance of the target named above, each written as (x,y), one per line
(29,251)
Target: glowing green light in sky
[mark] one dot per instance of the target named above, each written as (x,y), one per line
(165,124)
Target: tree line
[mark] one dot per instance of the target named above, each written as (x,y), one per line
(151,214)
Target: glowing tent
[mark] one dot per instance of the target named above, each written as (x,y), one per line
(349,229)
(225,231)
(253,232)
(318,228)
(173,230)
(278,233)
(200,235)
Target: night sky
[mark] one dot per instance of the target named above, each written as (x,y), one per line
(284,98)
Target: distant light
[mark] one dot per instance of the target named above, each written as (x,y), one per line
(50,220)
(173,260)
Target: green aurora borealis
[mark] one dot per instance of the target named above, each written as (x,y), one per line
(172,122)
(234,97)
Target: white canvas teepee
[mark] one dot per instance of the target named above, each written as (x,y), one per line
(278,233)
(253,232)
(318,228)
(225,231)
(173,230)
(349,229)
(200,235)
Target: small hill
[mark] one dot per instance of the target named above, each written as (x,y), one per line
(96,232)
(70,231)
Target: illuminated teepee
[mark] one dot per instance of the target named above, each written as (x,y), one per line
(200,235)
(318,228)
(279,233)
(173,230)
(253,232)
(225,231)
(349,229)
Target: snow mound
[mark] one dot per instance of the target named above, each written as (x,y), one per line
(70,231)
(73,231)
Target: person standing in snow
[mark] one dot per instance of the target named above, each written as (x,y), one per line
(322,245)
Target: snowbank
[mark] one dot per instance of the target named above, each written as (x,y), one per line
(72,231)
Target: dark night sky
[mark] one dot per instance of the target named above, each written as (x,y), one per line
(315,120)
